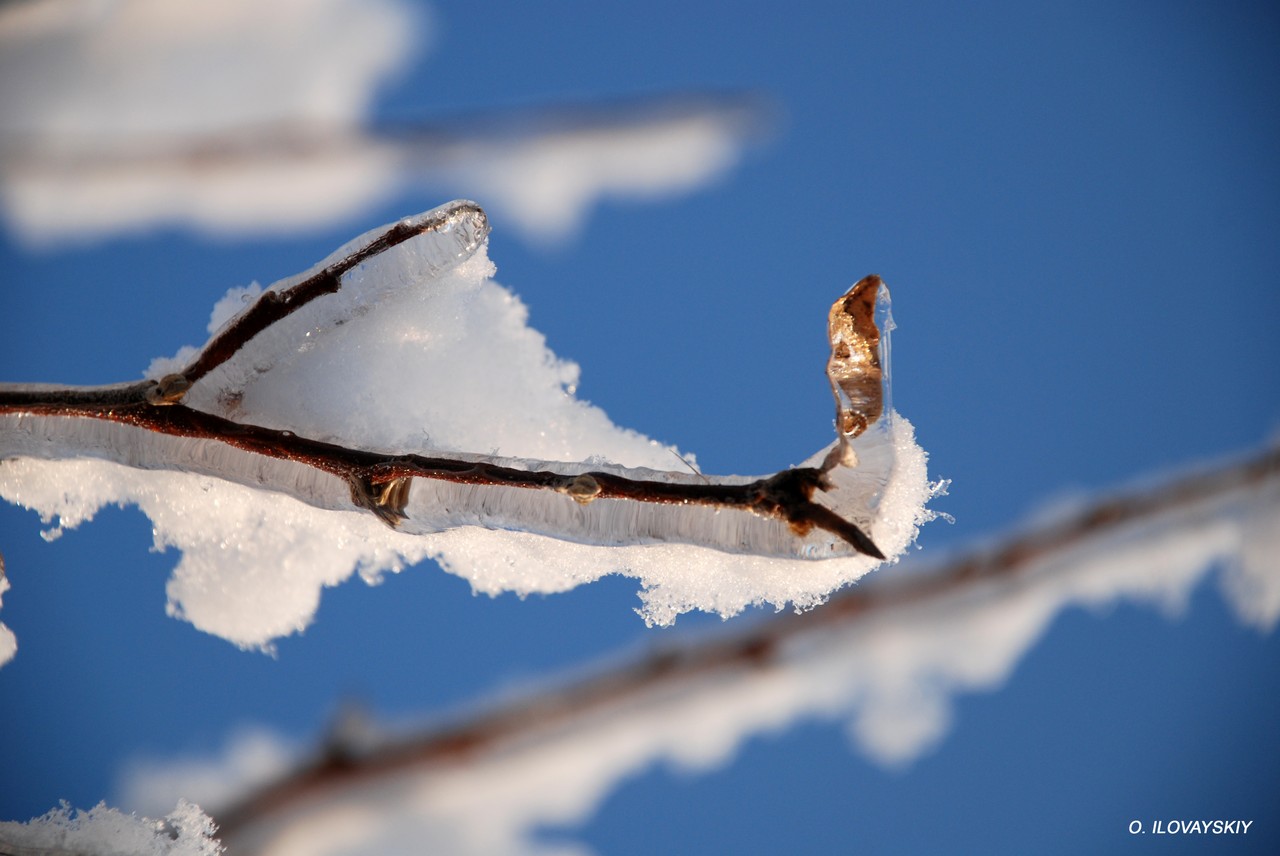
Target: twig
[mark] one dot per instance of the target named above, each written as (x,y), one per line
(380,482)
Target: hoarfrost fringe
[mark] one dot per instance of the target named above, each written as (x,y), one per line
(104,831)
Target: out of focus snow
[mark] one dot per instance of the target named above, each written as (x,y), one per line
(253,757)
(545,179)
(92,72)
(119,115)
(245,117)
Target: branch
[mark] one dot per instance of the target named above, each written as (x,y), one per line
(683,139)
(381,482)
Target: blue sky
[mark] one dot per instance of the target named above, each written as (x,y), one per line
(1076,208)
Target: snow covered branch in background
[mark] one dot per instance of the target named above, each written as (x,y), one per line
(368,383)
(886,657)
(103,831)
(544,170)
(242,116)
(119,115)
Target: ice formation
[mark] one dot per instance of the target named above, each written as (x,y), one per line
(358,394)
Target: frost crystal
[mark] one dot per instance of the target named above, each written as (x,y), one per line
(104,831)
(370,382)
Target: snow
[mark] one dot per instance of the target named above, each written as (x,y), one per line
(96,64)
(94,140)
(890,676)
(8,642)
(253,757)
(546,180)
(420,351)
(261,121)
(104,831)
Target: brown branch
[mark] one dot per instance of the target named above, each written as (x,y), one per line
(274,306)
(270,308)
(379,481)
(344,765)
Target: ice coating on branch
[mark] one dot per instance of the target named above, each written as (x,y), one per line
(415,350)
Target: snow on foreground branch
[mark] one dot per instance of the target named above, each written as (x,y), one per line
(331,423)
(104,831)
(885,657)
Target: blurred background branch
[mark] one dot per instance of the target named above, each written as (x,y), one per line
(250,119)
(883,653)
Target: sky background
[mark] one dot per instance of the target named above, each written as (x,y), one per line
(1076,208)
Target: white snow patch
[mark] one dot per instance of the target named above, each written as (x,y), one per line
(104,831)
(547,183)
(119,115)
(251,758)
(244,117)
(8,642)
